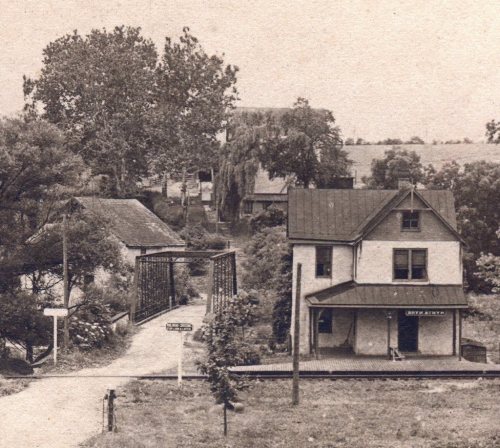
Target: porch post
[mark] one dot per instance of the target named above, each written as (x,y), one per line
(316,332)
(388,314)
(454,332)
(460,335)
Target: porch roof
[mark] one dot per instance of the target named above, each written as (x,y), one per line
(354,295)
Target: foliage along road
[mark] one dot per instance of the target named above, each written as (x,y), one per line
(63,412)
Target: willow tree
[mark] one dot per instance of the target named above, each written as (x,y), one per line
(239,160)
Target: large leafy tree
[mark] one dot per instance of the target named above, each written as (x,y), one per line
(309,147)
(99,89)
(396,164)
(476,188)
(194,93)
(91,247)
(36,174)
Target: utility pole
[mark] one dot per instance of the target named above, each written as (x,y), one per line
(65,281)
(296,339)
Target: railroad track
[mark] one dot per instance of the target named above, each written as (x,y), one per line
(275,375)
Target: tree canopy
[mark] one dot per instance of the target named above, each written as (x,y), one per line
(397,164)
(99,89)
(126,112)
(476,188)
(309,147)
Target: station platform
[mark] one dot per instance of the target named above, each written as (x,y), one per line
(375,366)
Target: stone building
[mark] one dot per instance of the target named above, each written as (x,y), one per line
(381,271)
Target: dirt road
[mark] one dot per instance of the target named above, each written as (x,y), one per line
(63,412)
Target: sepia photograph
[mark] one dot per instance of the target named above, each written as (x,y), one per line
(250,224)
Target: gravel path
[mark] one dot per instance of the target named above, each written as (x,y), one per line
(63,412)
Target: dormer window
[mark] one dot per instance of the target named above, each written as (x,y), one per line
(323,261)
(410,221)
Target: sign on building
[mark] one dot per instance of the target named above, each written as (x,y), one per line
(425,313)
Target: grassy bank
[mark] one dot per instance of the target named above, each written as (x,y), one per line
(331,414)
(482,323)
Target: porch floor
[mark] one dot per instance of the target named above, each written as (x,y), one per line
(359,363)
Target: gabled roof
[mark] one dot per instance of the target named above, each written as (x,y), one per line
(348,215)
(131,222)
(354,295)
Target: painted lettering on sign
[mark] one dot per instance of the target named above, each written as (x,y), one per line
(178,326)
(425,313)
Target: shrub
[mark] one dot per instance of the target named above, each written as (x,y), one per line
(197,238)
(268,269)
(89,326)
(226,347)
(184,287)
(271,217)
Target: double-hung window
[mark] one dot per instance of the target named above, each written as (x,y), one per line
(410,264)
(323,261)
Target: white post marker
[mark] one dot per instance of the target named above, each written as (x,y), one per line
(55,312)
(181,328)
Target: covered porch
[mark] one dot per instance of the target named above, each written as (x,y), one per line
(392,321)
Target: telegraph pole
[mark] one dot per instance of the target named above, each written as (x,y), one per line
(296,339)
(65,281)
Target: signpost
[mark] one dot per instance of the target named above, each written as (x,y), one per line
(180,327)
(55,312)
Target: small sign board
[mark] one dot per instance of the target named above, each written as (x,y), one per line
(425,313)
(57,312)
(178,326)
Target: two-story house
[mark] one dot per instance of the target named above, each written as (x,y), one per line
(380,269)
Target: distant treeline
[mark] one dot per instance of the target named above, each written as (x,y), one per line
(413,141)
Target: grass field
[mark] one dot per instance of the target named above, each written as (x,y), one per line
(435,154)
(351,414)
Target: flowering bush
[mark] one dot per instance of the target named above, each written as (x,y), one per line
(90,327)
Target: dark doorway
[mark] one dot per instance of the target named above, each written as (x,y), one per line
(407,332)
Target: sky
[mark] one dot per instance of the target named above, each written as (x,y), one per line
(385,68)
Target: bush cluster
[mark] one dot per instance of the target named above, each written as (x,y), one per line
(224,337)
(197,238)
(90,326)
(268,270)
(271,217)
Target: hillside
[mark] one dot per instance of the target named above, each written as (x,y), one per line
(435,154)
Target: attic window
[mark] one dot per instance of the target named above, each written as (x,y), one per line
(323,261)
(410,221)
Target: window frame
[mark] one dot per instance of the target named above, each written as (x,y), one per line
(247,207)
(411,229)
(410,266)
(330,248)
